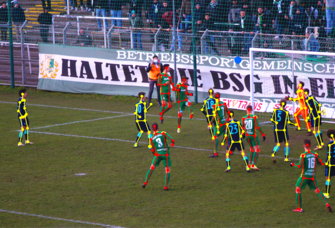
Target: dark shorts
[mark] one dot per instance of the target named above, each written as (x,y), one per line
(142,126)
(237,146)
(24,122)
(330,171)
(280,136)
(316,122)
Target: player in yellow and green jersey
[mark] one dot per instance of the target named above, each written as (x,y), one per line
(182,100)
(22,115)
(165,83)
(250,125)
(307,163)
(161,150)
(220,118)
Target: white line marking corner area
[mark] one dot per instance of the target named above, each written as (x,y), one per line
(127,141)
(59,219)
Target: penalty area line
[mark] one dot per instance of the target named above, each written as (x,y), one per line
(59,219)
(128,141)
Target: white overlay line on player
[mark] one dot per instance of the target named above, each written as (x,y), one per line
(59,219)
(123,140)
(94,110)
(79,121)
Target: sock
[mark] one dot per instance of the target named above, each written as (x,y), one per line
(150,171)
(162,110)
(216,143)
(228,162)
(321,196)
(287,151)
(20,136)
(318,139)
(139,135)
(299,200)
(250,157)
(321,139)
(275,149)
(328,185)
(245,158)
(167,179)
(179,121)
(149,136)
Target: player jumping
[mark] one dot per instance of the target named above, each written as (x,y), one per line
(314,117)
(234,131)
(165,83)
(302,110)
(182,100)
(280,117)
(307,162)
(160,149)
(208,110)
(330,161)
(140,119)
(22,115)
(220,117)
(250,125)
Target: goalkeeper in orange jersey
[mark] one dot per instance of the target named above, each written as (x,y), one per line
(250,126)
(302,110)
(165,83)
(208,110)
(220,118)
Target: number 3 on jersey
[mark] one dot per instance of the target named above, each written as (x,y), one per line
(160,143)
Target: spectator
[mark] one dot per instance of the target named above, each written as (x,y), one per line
(45,20)
(18,19)
(203,3)
(4,21)
(81,5)
(71,3)
(263,23)
(154,68)
(291,9)
(312,45)
(198,13)
(187,13)
(207,23)
(136,23)
(100,7)
(330,13)
(298,25)
(89,4)
(155,12)
(49,4)
(116,7)
(83,39)
(234,15)
(165,8)
(135,5)
(215,12)
(168,24)
(246,6)
(279,18)
(312,15)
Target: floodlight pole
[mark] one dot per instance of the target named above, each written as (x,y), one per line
(11,56)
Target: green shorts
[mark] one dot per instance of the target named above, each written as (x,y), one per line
(222,130)
(165,97)
(158,159)
(253,141)
(181,106)
(302,183)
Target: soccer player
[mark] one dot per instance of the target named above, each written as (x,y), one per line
(22,115)
(182,100)
(330,161)
(307,162)
(140,119)
(314,117)
(302,110)
(280,117)
(160,149)
(220,118)
(208,110)
(235,132)
(250,126)
(165,83)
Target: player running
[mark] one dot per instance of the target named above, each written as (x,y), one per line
(22,115)
(250,126)
(208,110)
(220,117)
(314,117)
(160,149)
(165,83)
(234,131)
(302,110)
(330,161)
(182,100)
(140,119)
(307,162)
(280,117)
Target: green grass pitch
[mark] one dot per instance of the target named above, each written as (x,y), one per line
(40,179)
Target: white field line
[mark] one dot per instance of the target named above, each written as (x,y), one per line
(60,219)
(122,140)
(79,121)
(94,110)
